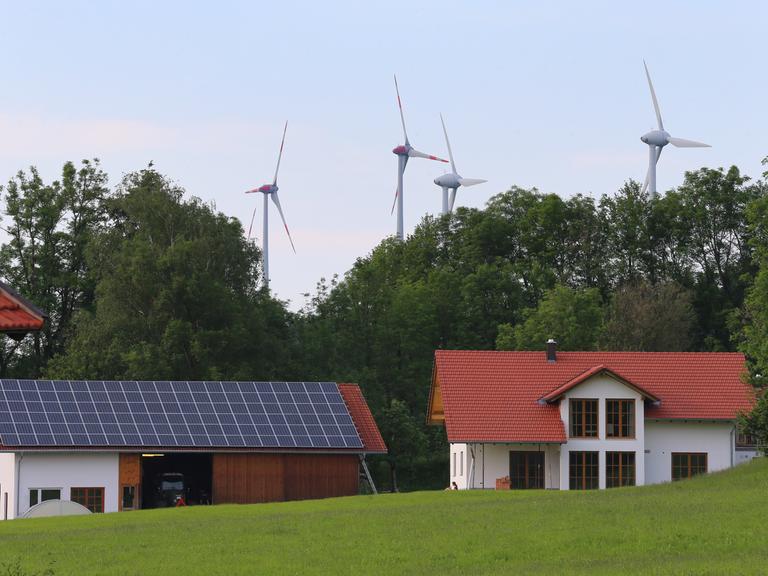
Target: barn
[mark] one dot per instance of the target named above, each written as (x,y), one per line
(123,445)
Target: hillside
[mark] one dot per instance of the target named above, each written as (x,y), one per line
(708,525)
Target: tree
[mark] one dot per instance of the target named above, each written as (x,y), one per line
(406,441)
(50,228)
(645,317)
(572,317)
(177,295)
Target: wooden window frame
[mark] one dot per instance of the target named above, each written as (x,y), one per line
(583,424)
(622,469)
(583,466)
(87,493)
(136,499)
(530,481)
(620,413)
(689,467)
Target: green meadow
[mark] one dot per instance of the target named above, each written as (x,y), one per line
(708,525)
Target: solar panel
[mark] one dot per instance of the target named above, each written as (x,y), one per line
(61,413)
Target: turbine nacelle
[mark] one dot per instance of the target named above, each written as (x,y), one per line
(401,150)
(656,138)
(266,189)
(448,180)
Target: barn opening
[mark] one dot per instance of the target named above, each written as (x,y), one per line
(166,477)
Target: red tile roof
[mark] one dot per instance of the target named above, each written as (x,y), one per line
(17,314)
(493,396)
(361,415)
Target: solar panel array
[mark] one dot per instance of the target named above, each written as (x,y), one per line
(175,414)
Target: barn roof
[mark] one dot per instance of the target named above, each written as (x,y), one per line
(361,414)
(17,314)
(497,396)
(181,415)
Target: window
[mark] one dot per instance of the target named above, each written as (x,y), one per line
(620,418)
(129,498)
(526,470)
(91,498)
(688,464)
(454,464)
(583,418)
(746,442)
(584,470)
(619,469)
(461,463)
(37,495)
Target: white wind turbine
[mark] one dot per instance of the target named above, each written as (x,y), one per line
(657,139)
(270,191)
(403,153)
(453,180)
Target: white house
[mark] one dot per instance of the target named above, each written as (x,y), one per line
(585,420)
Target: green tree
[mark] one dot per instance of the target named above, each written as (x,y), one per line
(572,317)
(645,317)
(50,227)
(177,295)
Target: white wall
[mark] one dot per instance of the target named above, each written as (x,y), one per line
(484,463)
(7,484)
(603,387)
(663,438)
(64,471)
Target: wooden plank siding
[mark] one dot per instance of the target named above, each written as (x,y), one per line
(252,478)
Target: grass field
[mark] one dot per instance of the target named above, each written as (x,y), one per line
(709,525)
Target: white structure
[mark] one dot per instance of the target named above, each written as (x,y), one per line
(580,420)
(28,478)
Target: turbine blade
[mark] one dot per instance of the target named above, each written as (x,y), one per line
(400,105)
(280,155)
(416,154)
(394,202)
(653,95)
(645,184)
(250,228)
(452,200)
(448,142)
(683,143)
(658,153)
(276,200)
(471,181)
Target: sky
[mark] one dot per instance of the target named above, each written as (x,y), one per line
(544,94)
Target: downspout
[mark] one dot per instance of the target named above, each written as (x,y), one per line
(18,483)
(733,442)
(483,481)
(471,478)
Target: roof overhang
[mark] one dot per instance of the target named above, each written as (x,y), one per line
(435,408)
(600,370)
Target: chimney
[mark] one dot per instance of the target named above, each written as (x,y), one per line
(551,350)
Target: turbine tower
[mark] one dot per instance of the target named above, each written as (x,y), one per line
(403,153)
(270,191)
(657,139)
(453,180)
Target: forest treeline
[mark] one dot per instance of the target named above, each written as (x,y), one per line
(142,281)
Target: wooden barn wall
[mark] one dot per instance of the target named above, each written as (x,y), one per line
(250,478)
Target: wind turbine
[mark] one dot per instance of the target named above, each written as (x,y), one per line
(403,153)
(657,139)
(270,191)
(453,180)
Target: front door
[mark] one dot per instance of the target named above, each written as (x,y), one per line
(526,470)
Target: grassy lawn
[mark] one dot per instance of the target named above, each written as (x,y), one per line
(712,525)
